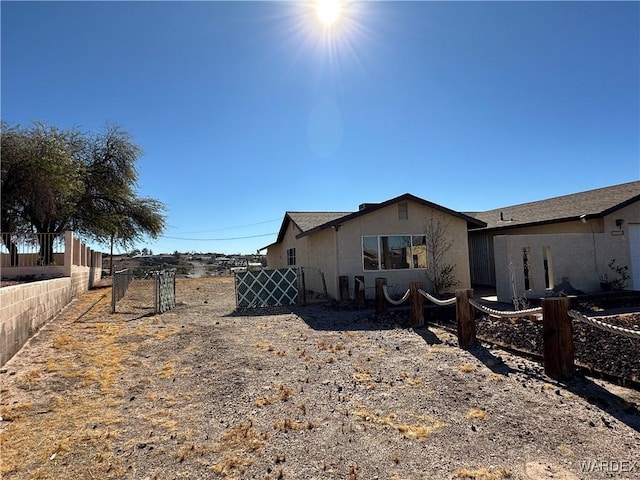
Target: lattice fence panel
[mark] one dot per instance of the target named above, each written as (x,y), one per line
(165,290)
(265,288)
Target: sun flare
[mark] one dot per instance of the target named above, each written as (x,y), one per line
(328,11)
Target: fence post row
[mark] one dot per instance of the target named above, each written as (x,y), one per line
(557,326)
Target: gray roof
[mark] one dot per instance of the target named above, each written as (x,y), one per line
(592,204)
(306,221)
(311,222)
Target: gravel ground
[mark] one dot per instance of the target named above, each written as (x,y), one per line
(599,352)
(318,392)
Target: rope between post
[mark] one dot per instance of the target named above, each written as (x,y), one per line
(627,332)
(504,313)
(392,301)
(435,300)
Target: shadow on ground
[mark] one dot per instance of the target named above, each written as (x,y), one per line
(345,317)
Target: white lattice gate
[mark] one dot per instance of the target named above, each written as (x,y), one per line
(165,290)
(263,288)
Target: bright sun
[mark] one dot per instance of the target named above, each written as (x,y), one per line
(328,11)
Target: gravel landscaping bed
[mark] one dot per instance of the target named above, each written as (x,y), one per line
(613,356)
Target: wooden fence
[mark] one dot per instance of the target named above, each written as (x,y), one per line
(557,325)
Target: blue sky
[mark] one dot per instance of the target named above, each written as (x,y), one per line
(245,110)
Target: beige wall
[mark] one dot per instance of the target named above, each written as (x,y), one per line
(386,222)
(338,252)
(321,255)
(315,253)
(277,254)
(26,307)
(581,258)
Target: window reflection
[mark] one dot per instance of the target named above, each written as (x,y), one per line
(394,252)
(370,253)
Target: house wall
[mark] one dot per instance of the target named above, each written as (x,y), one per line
(338,252)
(619,246)
(321,262)
(580,258)
(314,253)
(386,222)
(277,254)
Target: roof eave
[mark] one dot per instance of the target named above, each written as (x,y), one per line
(537,224)
(407,196)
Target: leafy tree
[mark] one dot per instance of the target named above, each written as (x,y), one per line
(55,180)
(109,209)
(41,181)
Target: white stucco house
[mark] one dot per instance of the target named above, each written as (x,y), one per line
(384,239)
(532,248)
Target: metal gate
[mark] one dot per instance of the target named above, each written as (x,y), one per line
(148,292)
(263,288)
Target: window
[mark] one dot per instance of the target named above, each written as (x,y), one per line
(526,251)
(548,267)
(394,252)
(291,256)
(403,211)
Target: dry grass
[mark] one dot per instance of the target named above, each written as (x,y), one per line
(476,414)
(411,380)
(418,431)
(483,474)
(288,425)
(329,347)
(235,445)
(467,368)
(83,419)
(267,347)
(283,394)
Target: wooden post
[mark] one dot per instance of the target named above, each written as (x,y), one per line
(302,287)
(557,334)
(381,302)
(466,318)
(344,288)
(416,317)
(359,292)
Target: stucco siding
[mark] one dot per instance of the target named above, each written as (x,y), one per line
(386,222)
(321,255)
(580,259)
(337,251)
(277,254)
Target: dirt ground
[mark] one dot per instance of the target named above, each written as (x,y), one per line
(318,392)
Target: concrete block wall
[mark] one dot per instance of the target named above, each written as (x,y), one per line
(26,307)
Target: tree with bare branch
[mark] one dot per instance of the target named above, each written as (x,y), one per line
(440,272)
